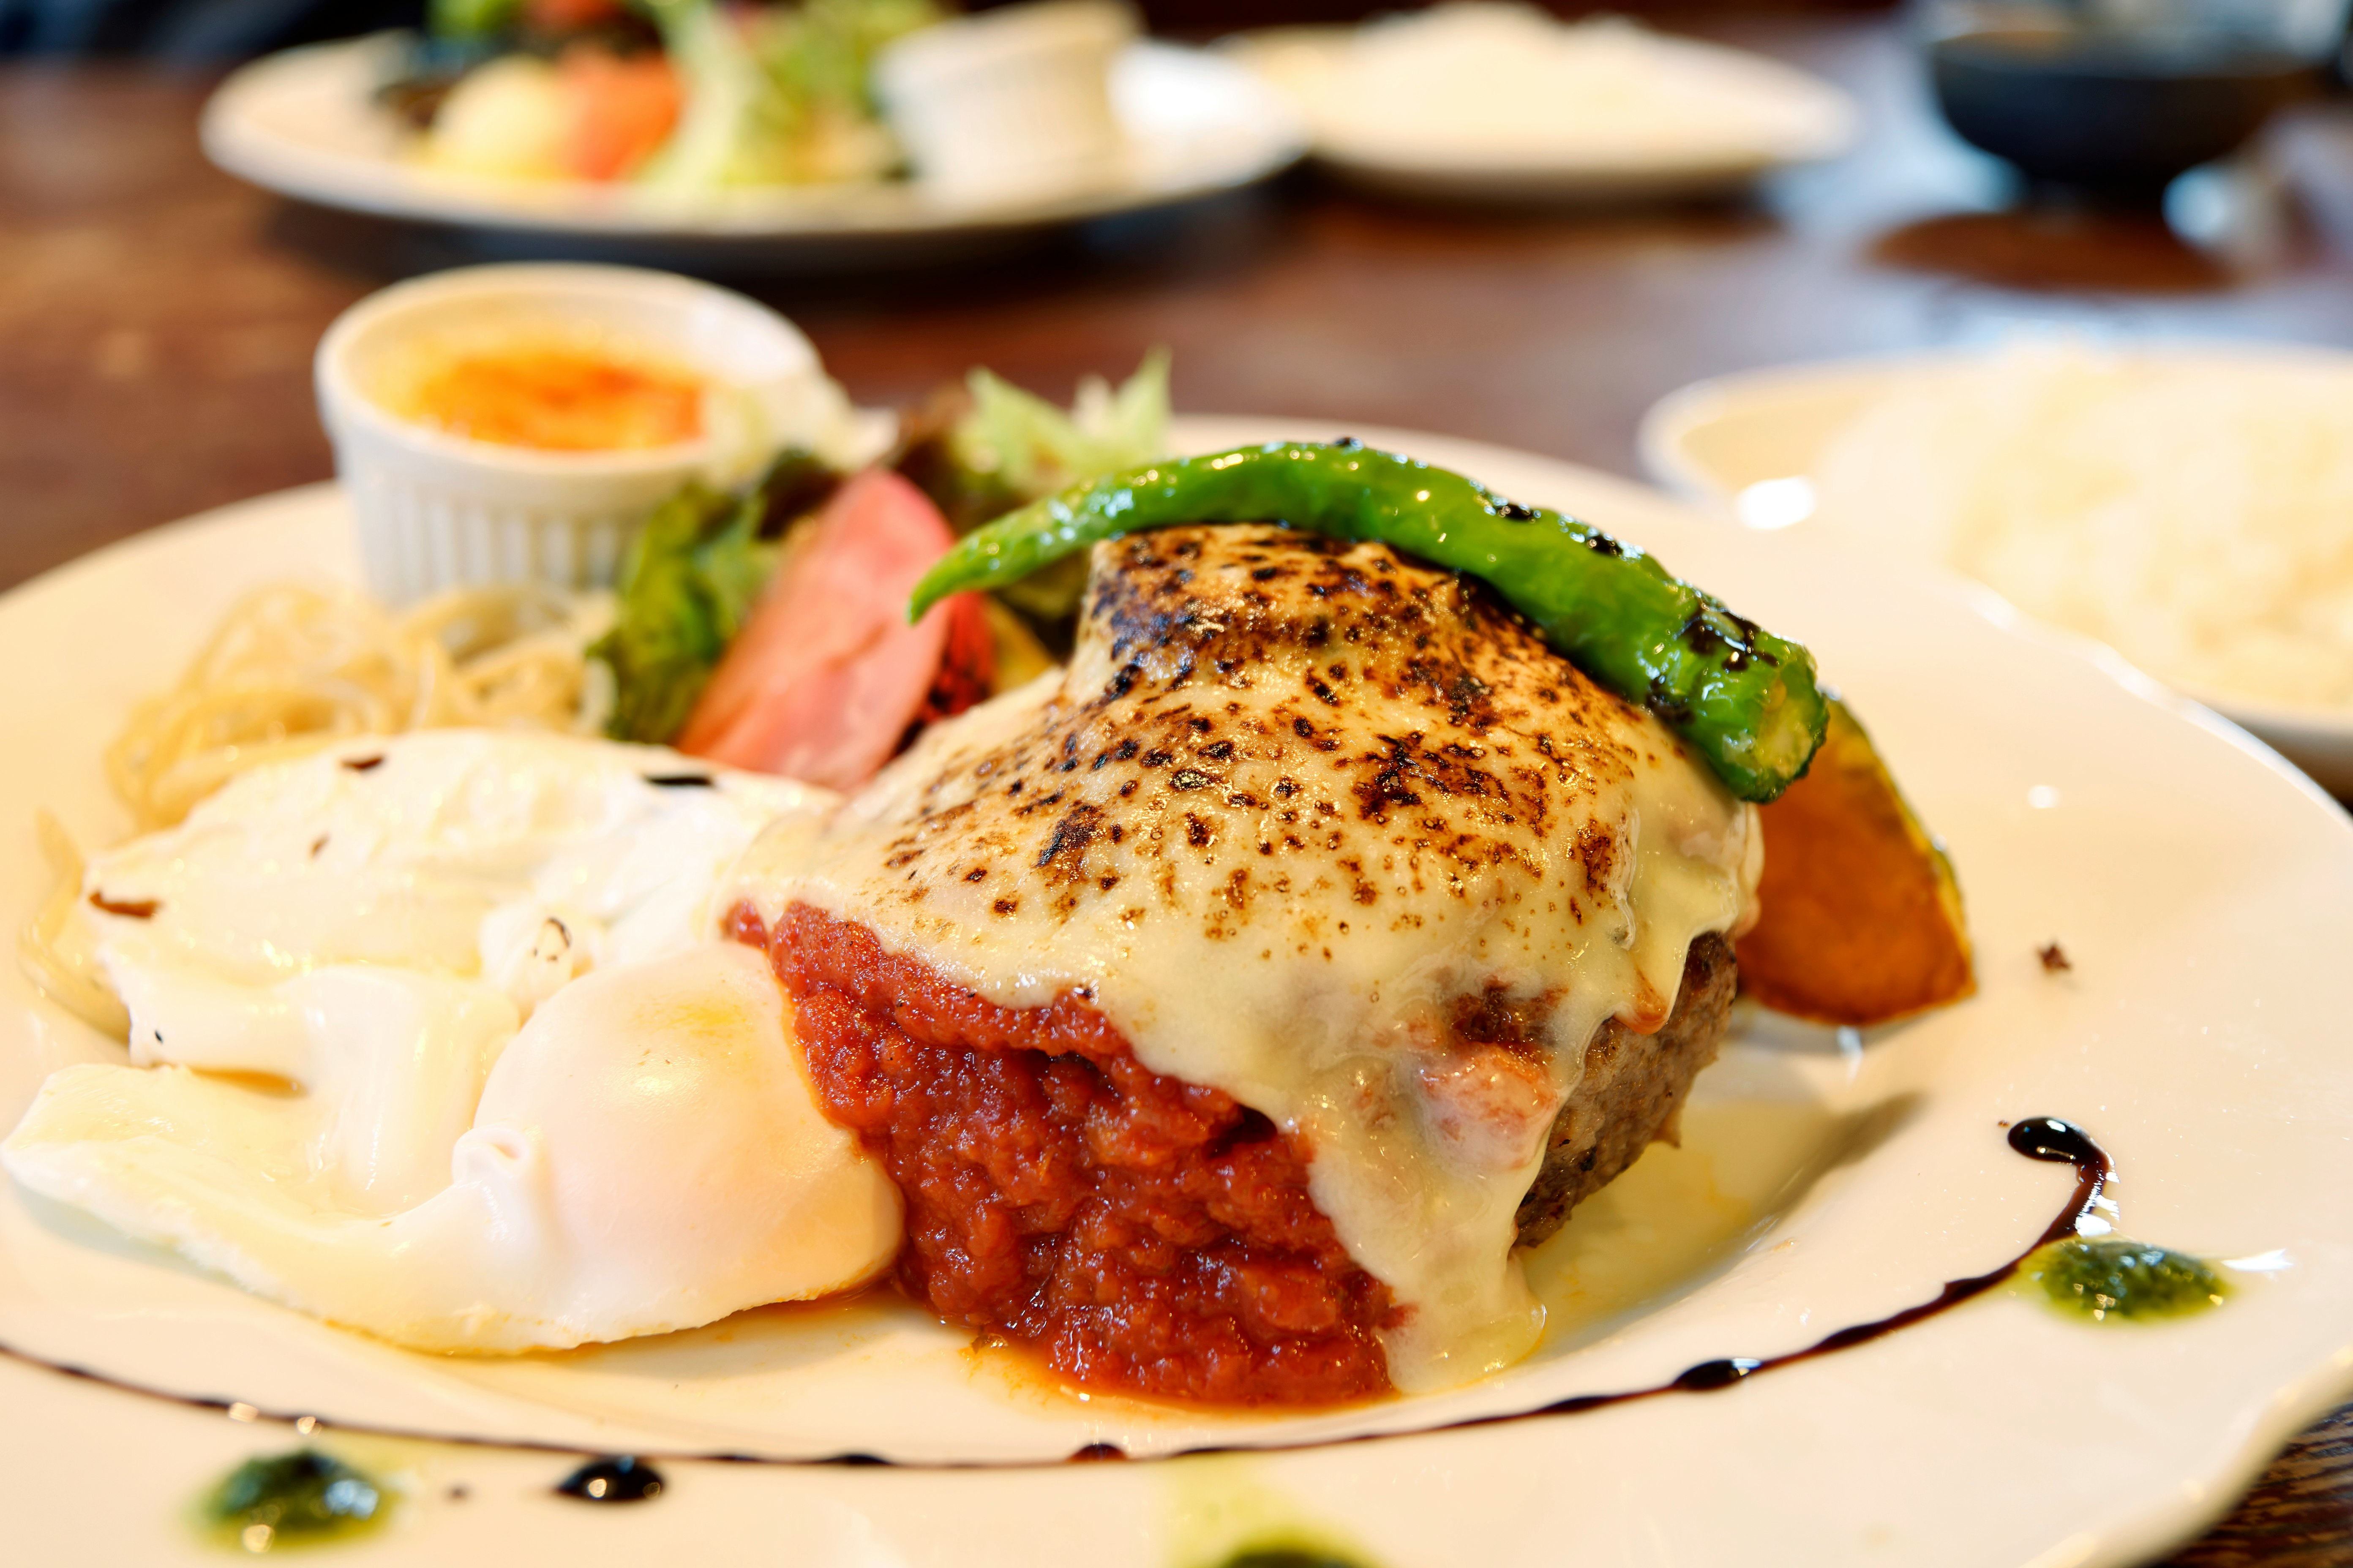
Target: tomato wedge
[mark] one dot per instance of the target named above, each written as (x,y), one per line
(619,109)
(826,677)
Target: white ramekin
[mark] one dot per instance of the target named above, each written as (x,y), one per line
(1011,102)
(437,510)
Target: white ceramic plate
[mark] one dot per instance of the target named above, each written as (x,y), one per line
(2198,884)
(1749,442)
(305,123)
(1796,119)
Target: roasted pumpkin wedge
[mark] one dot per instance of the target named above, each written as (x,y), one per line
(1860,915)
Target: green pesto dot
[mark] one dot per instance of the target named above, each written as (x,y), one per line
(1287,1557)
(302,1498)
(2109,1277)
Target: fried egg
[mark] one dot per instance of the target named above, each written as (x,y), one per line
(437,1036)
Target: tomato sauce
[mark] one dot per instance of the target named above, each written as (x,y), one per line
(1143,1234)
(559,399)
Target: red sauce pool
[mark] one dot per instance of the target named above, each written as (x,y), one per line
(1143,1234)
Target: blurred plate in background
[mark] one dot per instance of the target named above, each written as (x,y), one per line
(1755,445)
(305,123)
(1498,103)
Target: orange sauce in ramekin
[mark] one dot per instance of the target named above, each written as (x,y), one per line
(559,399)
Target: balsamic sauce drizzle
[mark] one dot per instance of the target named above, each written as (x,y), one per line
(617,1478)
(2037,1137)
(2045,1138)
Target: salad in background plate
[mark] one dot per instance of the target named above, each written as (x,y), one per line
(688,95)
(679,93)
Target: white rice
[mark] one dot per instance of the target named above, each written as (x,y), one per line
(2193,512)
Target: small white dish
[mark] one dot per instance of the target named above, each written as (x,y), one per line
(2197,883)
(437,510)
(305,123)
(1497,103)
(1747,445)
(1010,102)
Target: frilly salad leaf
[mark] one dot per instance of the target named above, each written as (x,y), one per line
(822,51)
(735,129)
(778,95)
(1036,450)
(1012,447)
(687,585)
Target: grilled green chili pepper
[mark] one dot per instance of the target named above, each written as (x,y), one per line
(1745,699)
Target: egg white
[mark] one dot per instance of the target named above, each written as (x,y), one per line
(436,1037)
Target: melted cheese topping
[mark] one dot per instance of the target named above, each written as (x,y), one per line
(1291,807)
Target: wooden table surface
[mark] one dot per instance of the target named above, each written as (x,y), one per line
(157,321)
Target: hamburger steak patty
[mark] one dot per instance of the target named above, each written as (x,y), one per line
(1143,1232)
(1632,1091)
(1229,1003)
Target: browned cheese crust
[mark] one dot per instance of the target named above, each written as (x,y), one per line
(1303,712)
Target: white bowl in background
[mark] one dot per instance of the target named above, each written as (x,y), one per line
(1010,102)
(1747,444)
(1501,103)
(437,510)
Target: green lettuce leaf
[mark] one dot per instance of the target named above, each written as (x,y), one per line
(687,584)
(1015,447)
(1033,448)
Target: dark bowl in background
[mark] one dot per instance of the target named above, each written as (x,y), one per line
(2112,109)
